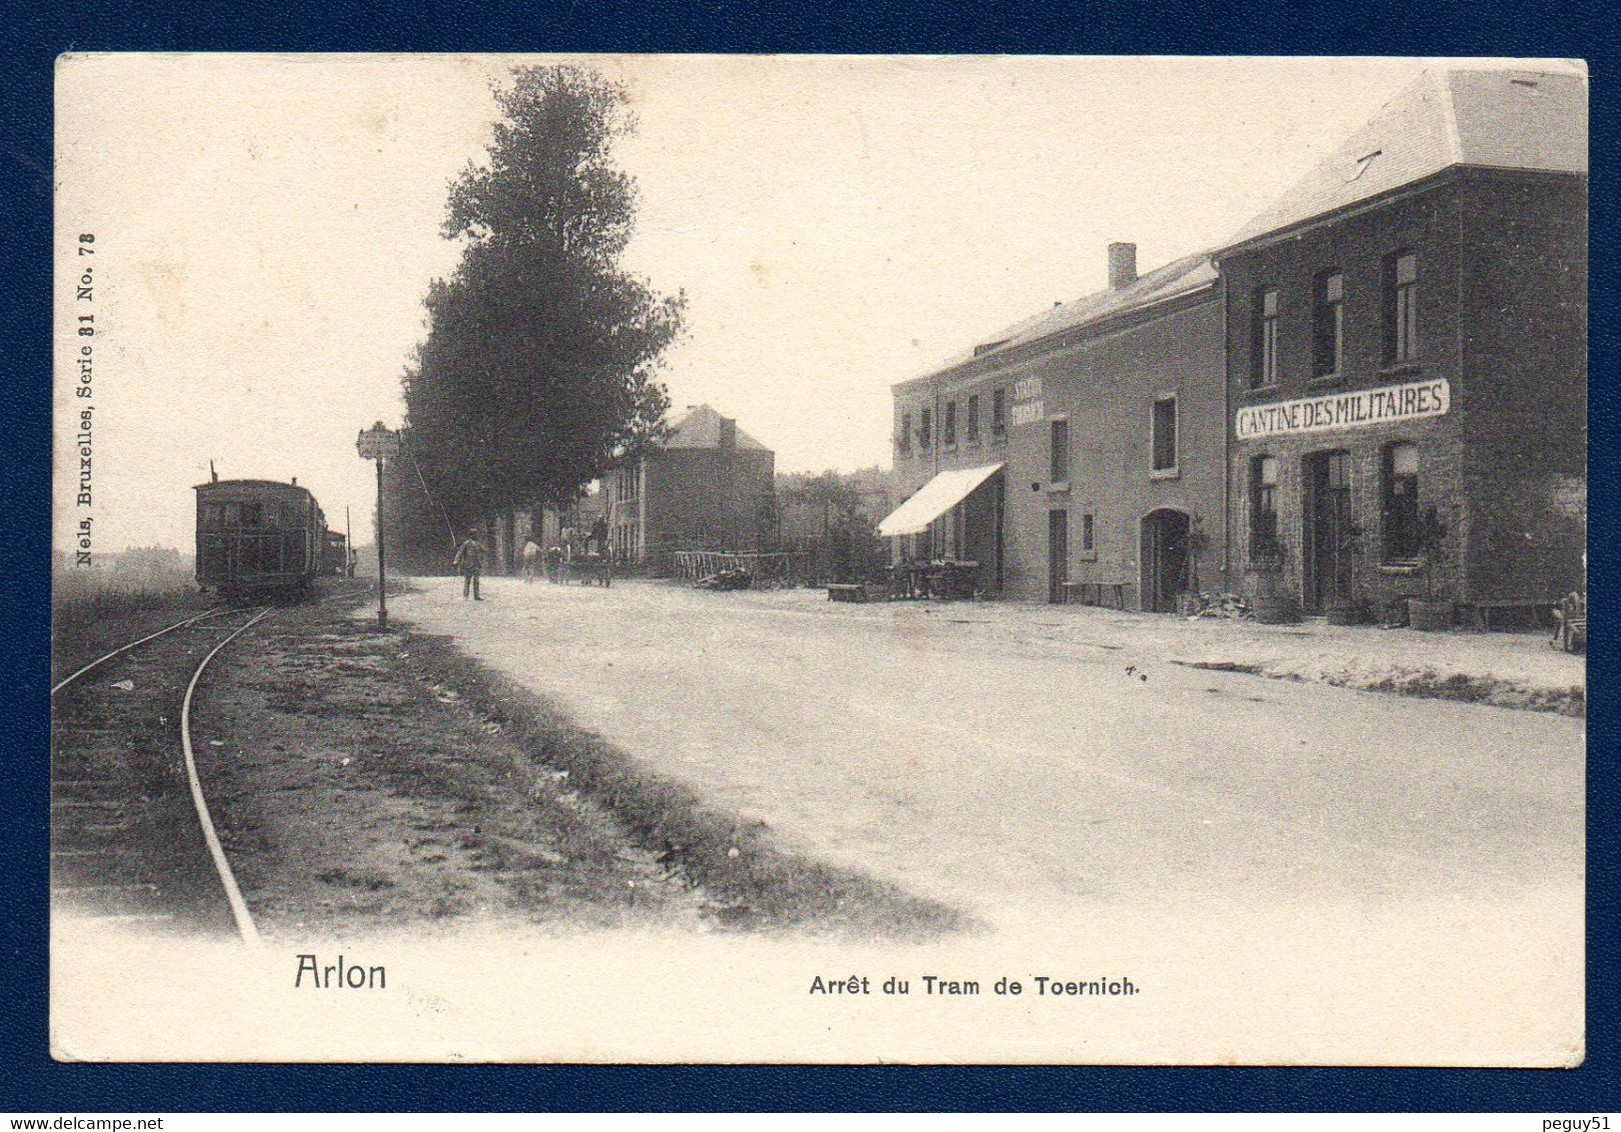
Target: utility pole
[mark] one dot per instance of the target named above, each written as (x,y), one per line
(378,443)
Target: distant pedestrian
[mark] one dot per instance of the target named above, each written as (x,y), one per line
(531,556)
(470,561)
(599,535)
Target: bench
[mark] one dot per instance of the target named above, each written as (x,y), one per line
(1481,612)
(1091,593)
(842,592)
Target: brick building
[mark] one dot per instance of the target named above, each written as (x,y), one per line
(1083,446)
(707,486)
(1406,344)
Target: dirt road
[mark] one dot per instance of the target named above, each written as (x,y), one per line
(1033,769)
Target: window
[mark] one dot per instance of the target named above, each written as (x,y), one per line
(925,429)
(1263,505)
(1401,503)
(1059,470)
(1327,324)
(973,417)
(1088,532)
(1401,308)
(904,440)
(999,412)
(948,427)
(1165,434)
(1266,340)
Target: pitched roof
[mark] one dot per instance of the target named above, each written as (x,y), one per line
(699,427)
(1179,277)
(1500,118)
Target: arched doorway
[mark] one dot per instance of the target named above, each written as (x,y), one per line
(1164,559)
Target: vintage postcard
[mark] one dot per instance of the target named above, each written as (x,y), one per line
(672,559)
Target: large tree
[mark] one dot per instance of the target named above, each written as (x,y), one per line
(540,365)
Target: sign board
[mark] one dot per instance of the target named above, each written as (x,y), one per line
(1028,407)
(1345,410)
(1028,412)
(378,442)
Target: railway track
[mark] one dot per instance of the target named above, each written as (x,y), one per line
(132,840)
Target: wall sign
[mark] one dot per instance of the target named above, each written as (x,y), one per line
(1028,407)
(1345,410)
(1028,412)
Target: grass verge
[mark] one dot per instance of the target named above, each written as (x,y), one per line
(753,884)
(1428,684)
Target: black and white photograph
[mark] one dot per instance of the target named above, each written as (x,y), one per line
(672,559)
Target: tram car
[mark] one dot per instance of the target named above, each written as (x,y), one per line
(258,537)
(335,555)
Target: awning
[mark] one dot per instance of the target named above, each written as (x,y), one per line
(934,499)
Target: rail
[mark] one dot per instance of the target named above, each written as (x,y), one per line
(75,729)
(233,893)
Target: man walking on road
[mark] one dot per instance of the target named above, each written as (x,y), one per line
(470,561)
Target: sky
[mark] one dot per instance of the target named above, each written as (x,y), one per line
(266,227)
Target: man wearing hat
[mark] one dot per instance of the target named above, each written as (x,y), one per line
(470,561)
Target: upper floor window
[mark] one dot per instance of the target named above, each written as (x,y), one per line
(1400,503)
(1263,504)
(925,429)
(1327,324)
(973,417)
(1059,470)
(1164,429)
(948,427)
(998,411)
(904,440)
(1265,352)
(1401,308)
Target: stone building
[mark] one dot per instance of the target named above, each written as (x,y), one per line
(1406,345)
(707,486)
(1080,452)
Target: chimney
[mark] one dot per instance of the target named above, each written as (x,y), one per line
(1122,265)
(728,434)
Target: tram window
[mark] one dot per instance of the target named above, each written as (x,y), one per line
(231,514)
(252,514)
(210,515)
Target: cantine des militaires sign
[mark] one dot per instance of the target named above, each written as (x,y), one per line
(1346,410)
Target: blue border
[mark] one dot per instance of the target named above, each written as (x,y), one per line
(32,1083)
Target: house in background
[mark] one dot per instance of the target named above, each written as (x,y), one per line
(707,486)
(1407,345)
(1082,450)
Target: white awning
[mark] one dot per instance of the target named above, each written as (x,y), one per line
(934,499)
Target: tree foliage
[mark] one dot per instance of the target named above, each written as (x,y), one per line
(539,369)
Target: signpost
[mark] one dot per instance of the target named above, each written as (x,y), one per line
(379,443)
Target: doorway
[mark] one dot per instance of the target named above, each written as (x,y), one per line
(1165,559)
(1057,555)
(1327,533)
